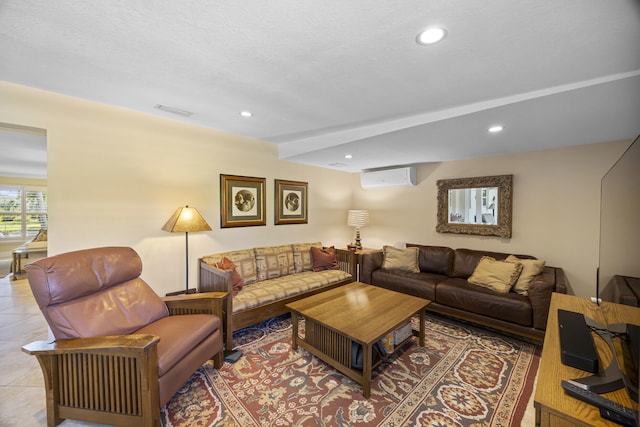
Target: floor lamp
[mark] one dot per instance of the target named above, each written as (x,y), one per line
(185,220)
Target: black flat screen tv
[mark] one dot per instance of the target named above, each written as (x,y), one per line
(619,222)
(620,244)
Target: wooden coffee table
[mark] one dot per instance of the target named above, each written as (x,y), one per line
(358,313)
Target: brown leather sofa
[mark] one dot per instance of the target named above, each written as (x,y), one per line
(120,351)
(443,280)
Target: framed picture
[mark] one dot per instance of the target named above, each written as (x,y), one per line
(291,202)
(242,201)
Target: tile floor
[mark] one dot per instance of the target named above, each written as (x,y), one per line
(22,397)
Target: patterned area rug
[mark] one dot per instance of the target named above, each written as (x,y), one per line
(464,376)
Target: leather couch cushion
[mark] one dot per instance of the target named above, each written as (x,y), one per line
(540,290)
(461,294)
(178,335)
(75,274)
(176,378)
(421,285)
(119,310)
(466,260)
(435,259)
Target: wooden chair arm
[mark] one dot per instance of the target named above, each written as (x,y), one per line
(199,303)
(124,345)
(107,380)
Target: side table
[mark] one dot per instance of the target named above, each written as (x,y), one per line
(359,253)
(20,254)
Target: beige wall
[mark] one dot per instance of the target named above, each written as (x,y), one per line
(115,177)
(556,207)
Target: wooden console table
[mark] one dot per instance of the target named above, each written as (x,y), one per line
(553,406)
(20,254)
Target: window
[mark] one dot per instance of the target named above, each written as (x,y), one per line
(23,212)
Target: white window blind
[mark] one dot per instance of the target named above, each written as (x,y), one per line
(23,211)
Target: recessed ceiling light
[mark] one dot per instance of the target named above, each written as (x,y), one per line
(348,156)
(496,128)
(246,113)
(431,35)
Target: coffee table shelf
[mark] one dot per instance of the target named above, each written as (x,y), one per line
(354,313)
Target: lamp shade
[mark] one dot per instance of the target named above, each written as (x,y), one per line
(186,220)
(358,217)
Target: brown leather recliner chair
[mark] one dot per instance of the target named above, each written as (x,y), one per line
(121,352)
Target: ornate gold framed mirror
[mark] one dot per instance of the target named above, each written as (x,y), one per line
(479,205)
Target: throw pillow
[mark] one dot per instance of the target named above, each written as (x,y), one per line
(530,269)
(401,259)
(499,276)
(324,259)
(226,264)
(245,261)
(41,236)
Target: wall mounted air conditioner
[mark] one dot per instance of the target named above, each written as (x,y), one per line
(399,177)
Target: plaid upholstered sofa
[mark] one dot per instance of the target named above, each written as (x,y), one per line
(270,278)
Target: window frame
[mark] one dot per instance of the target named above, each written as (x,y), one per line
(25,212)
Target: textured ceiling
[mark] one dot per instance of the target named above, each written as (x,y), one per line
(327,78)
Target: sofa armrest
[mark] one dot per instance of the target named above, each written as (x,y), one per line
(200,303)
(369,262)
(347,261)
(550,280)
(562,286)
(213,279)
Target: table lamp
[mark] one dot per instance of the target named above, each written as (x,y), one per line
(185,220)
(358,218)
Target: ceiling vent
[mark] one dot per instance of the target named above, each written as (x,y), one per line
(173,110)
(400,177)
